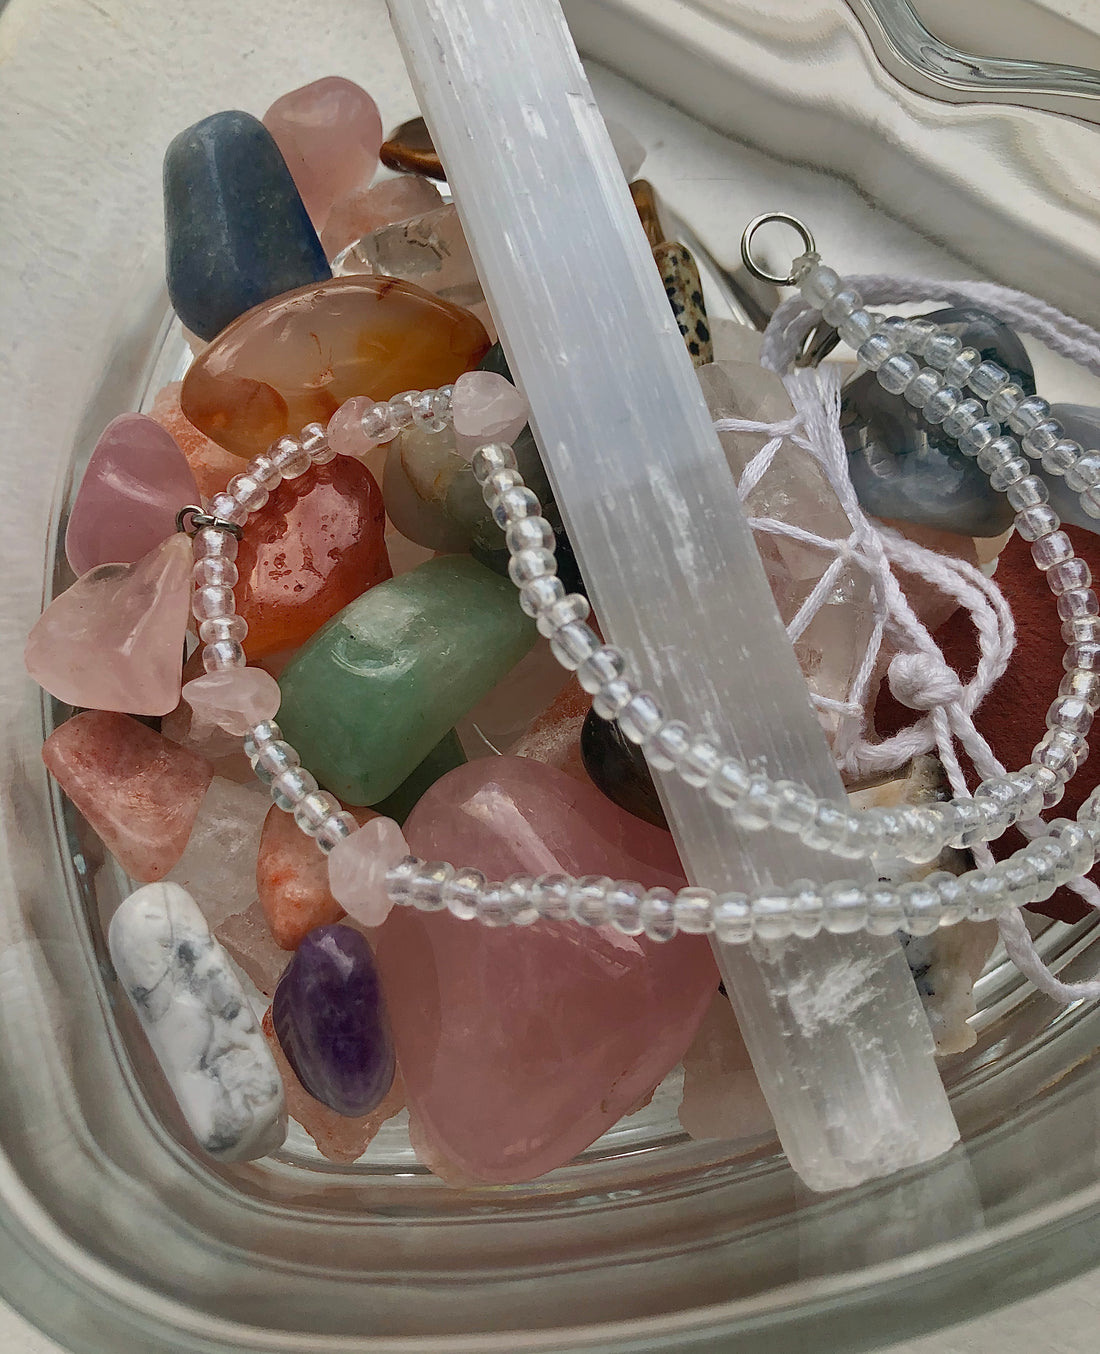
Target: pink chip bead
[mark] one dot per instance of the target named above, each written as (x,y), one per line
(345,427)
(487,408)
(234,699)
(357,869)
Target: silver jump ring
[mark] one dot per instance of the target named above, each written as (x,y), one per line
(784,218)
(191,519)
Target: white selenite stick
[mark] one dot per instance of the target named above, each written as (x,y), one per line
(834,1025)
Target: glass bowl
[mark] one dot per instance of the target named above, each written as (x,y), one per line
(114,1235)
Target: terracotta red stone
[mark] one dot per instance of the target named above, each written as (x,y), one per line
(317,544)
(140,792)
(1013,716)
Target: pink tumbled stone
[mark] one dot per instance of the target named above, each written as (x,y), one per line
(357,869)
(365,209)
(345,428)
(234,700)
(521,1045)
(140,792)
(330,133)
(136,481)
(114,640)
(487,408)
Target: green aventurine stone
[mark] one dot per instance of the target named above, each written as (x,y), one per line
(444,757)
(377,688)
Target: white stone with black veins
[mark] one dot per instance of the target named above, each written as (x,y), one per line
(199,1023)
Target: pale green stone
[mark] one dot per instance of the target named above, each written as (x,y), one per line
(377,688)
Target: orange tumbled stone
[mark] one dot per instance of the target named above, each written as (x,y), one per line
(295,359)
(212,466)
(316,545)
(292,879)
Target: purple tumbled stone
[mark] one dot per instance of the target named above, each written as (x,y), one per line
(330,1019)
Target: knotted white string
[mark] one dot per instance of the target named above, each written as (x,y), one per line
(915,668)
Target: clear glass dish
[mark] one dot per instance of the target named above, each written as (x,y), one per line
(114,1236)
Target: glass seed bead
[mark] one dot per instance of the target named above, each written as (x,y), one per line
(314,810)
(997,452)
(213,543)
(969,824)
(610,701)
(529,533)
(640,718)
(460,893)
(963,417)
(1081,630)
(541,594)
(657,914)
(248,492)
(698,762)
(377,424)
(215,571)
(922,387)
(728,783)
(550,894)
(1077,846)
(840,305)
(952,895)
(885,914)
(987,379)
(1084,473)
(940,350)
(856,328)
(668,745)
(771,916)
(603,665)
(1090,502)
(289,457)
(831,830)
(403,409)
(896,372)
(1070,713)
(1057,751)
(1007,475)
(1043,867)
(223,627)
(985,895)
(819,285)
(922,907)
(1044,437)
(845,907)
(875,350)
(1004,402)
(426,885)
(1071,573)
(499,482)
(1028,414)
(754,809)
(1083,686)
(573,644)
(1052,549)
(336,827)
(1027,493)
(515,503)
(1057,459)
(261,736)
(807,909)
(570,608)
(624,907)
(527,565)
(918,334)
(223,654)
(1077,602)
(491,457)
(272,759)
(733,918)
(588,900)
(264,471)
(795,807)
(226,509)
(399,879)
(962,367)
(1083,656)
(692,911)
(1041,520)
(942,404)
(291,787)
(211,601)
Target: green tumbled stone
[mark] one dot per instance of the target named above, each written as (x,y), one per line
(444,757)
(378,687)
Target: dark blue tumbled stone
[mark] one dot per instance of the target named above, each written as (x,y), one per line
(907,469)
(235,227)
(330,1019)
(1082,424)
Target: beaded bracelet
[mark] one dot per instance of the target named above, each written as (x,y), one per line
(890,348)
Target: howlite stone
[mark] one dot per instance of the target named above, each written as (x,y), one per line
(236,230)
(329,1016)
(618,767)
(909,470)
(1082,424)
(444,757)
(376,689)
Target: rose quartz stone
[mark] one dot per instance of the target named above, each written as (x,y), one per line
(292,880)
(520,1046)
(357,869)
(337,1137)
(135,483)
(247,939)
(722,1097)
(114,640)
(487,408)
(139,792)
(211,465)
(330,134)
(234,700)
(365,209)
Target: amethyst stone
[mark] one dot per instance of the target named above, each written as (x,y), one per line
(330,1018)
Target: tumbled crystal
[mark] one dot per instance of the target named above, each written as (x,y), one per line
(136,481)
(292,880)
(412,504)
(357,869)
(330,133)
(444,757)
(410,149)
(722,1097)
(684,289)
(199,1023)
(211,465)
(618,767)
(297,358)
(114,640)
(372,693)
(235,700)
(247,939)
(140,792)
(363,210)
(554,737)
(218,865)
(487,408)
(519,1047)
(330,1018)
(338,1138)
(502,717)
(236,230)
(317,543)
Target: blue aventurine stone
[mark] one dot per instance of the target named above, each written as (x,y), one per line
(235,227)
(907,469)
